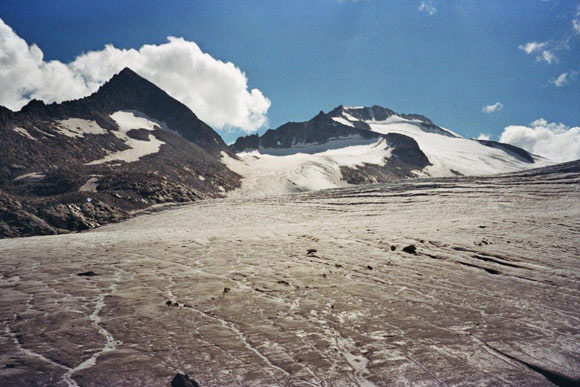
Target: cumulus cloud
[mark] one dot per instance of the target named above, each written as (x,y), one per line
(215,91)
(496,107)
(555,141)
(428,7)
(483,136)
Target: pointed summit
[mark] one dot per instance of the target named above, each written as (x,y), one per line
(128,83)
(128,90)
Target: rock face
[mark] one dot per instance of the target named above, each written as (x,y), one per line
(83,163)
(181,380)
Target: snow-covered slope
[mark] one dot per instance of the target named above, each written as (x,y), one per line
(317,167)
(365,145)
(449,153)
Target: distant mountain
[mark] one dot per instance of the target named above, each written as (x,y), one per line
(79,164)
(388,144)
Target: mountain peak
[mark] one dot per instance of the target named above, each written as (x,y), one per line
(364,113)
(126,80)
(125,75)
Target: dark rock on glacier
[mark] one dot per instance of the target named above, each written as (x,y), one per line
(181,380)
(87,274)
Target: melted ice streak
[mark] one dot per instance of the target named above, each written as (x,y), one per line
(30,353)
(129,120)
(346,347)
(110,344)
(246,343)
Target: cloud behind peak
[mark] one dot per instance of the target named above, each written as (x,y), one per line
(215,91)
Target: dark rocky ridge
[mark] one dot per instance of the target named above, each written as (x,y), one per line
(379,113)
(323,128)
(186,168)
(518,153)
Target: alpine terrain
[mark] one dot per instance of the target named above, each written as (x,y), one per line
(357,145)
(83,163)
(457,266)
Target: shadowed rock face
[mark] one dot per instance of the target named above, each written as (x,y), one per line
(514,150)
(318,130)
(47,170)
(322,290)
(406,158)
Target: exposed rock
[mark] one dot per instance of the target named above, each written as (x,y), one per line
(181,380)
(410,249)
(41,173)
(87,274)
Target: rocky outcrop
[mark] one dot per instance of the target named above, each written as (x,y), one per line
(50,183)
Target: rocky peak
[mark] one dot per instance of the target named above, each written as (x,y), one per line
(33,105)
(127,90)
(363,113)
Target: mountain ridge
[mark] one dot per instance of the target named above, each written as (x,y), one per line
(359,145)
(79,164)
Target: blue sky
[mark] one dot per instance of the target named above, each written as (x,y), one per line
(446,60)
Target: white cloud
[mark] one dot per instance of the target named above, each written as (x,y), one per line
(483,136)
(496,107)
(576,26)
(555,141)
(428,7)
(547,56)
(562,80)
(544,50)
(215,91)
(532,47)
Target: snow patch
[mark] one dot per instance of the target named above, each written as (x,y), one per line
(78,127)
(349,117)
(31,176)
(127,121)
(90,185)
(23,132)
(343,121)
